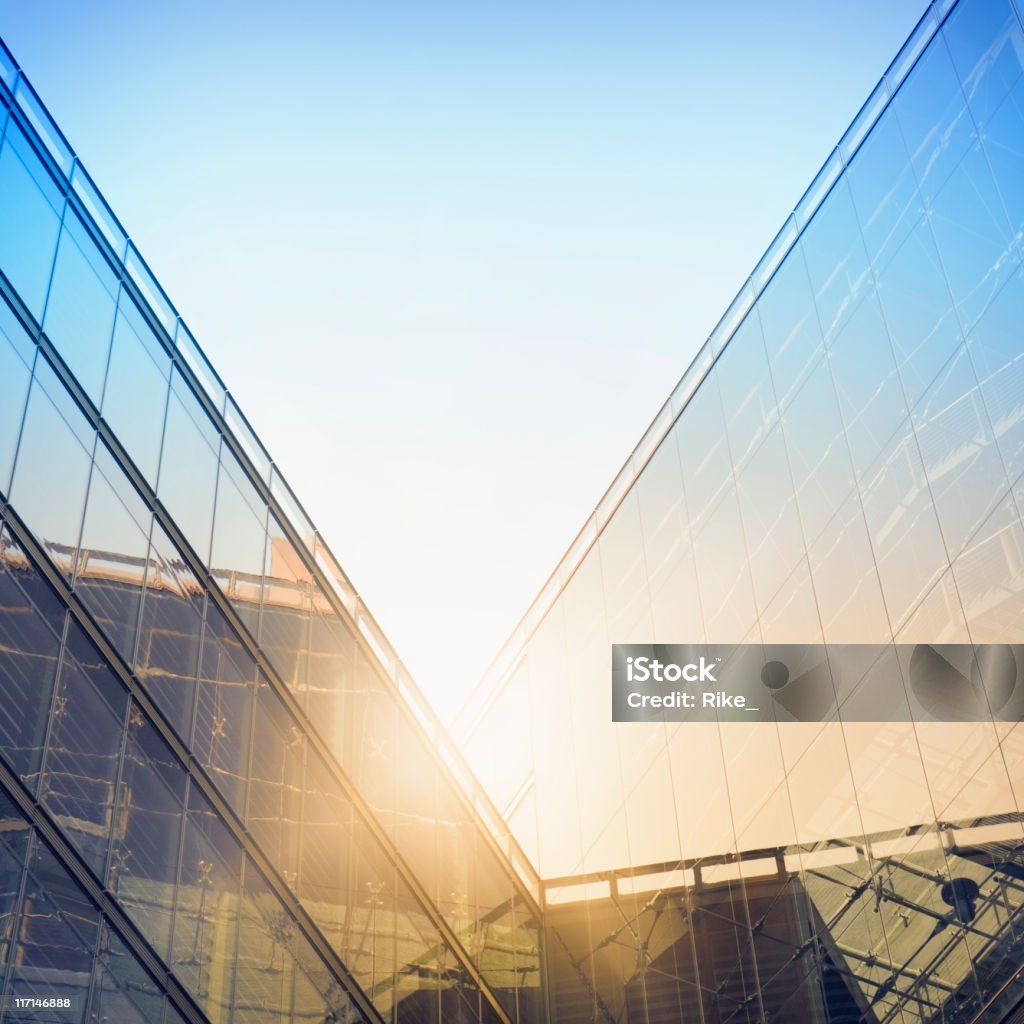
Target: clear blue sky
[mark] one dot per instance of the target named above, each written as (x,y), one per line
(451,257)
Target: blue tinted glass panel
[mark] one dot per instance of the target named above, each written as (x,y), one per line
(1004,145)
(836,260)
(789,320)
(136,391)
(884,190)
(918,310)
(52,468)
(987,47)
(818,455)
(29,211)
(998,357)
(112,560)
(80,309)
(16,354)
(973,236)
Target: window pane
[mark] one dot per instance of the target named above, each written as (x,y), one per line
(80,309)
(29,211)
(275,785)
(723,574)
(143,863)
(952,418)
(973,236)
(624,575)
(1004,146)
(987,47)
(124,992)
(884,189)
(276,966)
(836,260)
(84,748)
(998,357)
(56,943)
(289,595)
(16,355)
(901,522)
(52,467)
(918,311)
(846,582)
(816,442)
(704,452)
(869,389)
(206,912)
(223,721)
(239,539)
(770,523)
(748,401)
(111,564)
(170,630)
(136,392)
(30,630)
(789,320)
(934,118)
(188,467)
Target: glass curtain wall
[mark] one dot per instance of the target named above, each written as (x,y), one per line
(846,467)
(171,638)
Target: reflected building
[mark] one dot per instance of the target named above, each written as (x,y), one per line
(221,797)
(841,464)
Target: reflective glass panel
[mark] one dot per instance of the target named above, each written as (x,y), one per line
(31,627)
(188,467)
(84,748)
(135,395)
(80,309)
(52,468)
(16,355)
(30,206)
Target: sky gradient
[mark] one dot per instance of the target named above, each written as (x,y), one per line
(451,258)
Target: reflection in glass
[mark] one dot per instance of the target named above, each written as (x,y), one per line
(135,395)
(52,468)
(188,467)
(31,630)
(30,208)
(16,355)
(80,309)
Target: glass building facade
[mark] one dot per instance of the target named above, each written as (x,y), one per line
(842,464)
(221,797)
